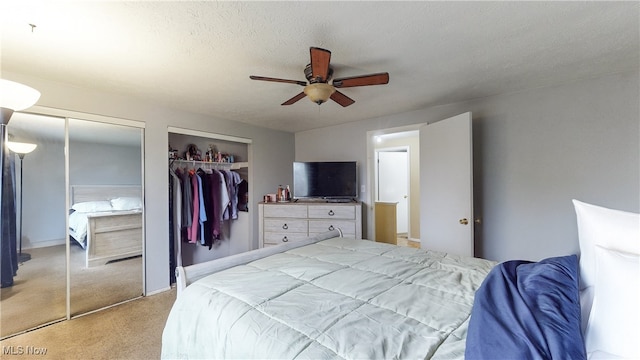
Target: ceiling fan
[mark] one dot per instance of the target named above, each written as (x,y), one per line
(318,73)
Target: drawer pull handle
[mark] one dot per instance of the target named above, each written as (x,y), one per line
(331,227)
(284,239)
(285,226)
(331,213)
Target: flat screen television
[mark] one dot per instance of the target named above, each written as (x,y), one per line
(336,180)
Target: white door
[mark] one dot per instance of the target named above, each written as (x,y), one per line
(393,184)
(446,186)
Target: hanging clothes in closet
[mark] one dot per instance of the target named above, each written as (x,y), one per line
(207,198)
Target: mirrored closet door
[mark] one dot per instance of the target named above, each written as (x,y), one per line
(38,293)
(77,218)
(105,215)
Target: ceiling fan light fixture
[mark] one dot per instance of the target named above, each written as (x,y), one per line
(319,92)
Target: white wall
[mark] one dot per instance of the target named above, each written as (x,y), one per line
(102,164)
(533,152)
(266,146)
(43,222)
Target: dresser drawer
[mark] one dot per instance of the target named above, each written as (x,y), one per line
(332,212)
(285,222)
(285,211)
(319,226)
(286,225)
(280,238)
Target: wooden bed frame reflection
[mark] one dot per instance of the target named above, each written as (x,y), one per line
(110,235)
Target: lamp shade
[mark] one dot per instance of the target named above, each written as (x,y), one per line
(319,92)
(16,96)
(21,148)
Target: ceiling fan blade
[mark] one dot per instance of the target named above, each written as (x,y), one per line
(362,80)
(342,99)
(294,99)
(320,59)
(297,82)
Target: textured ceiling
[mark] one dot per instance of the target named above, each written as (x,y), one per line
(197,56)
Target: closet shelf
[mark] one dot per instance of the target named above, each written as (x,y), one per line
(218,165)
(239,165)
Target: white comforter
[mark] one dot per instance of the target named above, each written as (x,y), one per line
(339,298)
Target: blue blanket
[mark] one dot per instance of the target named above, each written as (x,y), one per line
(526,310)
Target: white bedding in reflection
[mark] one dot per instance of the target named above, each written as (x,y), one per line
(78,222)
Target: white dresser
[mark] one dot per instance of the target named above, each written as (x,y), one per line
(284,222)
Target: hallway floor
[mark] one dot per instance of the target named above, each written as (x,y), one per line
(404,241)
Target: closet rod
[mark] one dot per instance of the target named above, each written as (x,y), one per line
(211,165)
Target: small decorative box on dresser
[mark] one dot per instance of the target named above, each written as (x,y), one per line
(284,222)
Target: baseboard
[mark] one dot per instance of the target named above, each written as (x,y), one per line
(158,291)
(44,243)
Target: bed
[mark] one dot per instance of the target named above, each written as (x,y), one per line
(106,221)
(336,297)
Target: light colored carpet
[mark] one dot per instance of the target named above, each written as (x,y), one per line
(38,295)
(132,330)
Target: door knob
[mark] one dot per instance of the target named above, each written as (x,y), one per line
(464,221)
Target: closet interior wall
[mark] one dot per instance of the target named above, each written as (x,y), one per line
(235,237)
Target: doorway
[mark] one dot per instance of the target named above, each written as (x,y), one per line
(396,177)
(393,184)
(441,181)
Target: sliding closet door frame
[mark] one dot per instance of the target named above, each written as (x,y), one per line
(66,218)
(68,114)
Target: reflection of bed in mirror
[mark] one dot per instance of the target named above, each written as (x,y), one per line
(106,220)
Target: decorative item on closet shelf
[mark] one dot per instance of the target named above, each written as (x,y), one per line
(173,153)
(193,153)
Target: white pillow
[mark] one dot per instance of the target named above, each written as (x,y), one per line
(611,229)
(615,316)
(126,203)
(93,206)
